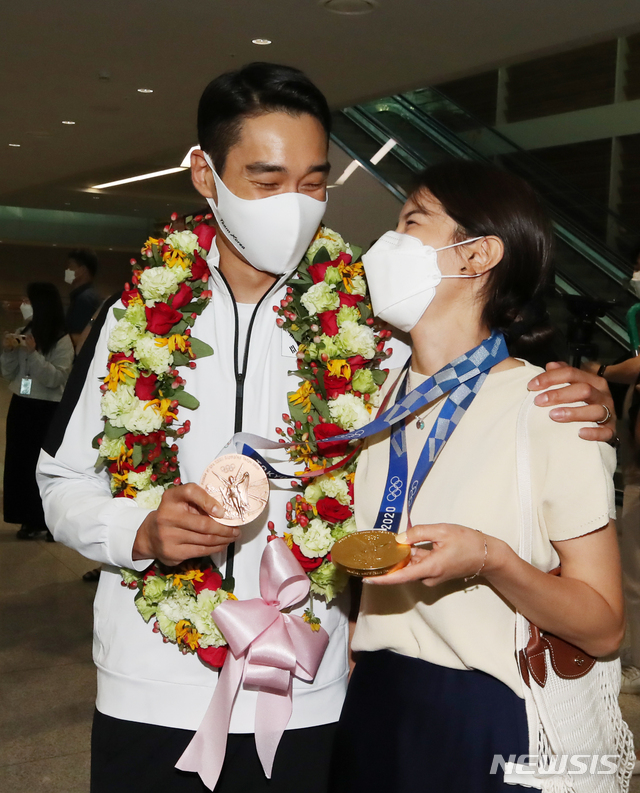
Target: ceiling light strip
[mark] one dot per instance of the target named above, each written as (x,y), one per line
(140,178)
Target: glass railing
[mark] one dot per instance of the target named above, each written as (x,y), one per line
(429,128)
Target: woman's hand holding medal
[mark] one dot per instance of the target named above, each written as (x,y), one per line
(183,527)
(457,552)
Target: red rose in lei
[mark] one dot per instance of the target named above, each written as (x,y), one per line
(335,385)
(318,271)
(332,510)
(120,356)
(214,656)
(210,580)
(128,295)
(306,563)
(356,362)
(161,318)
(205,234)
(344,258)
(199,268)
(348,300)
(145,386)
(182,297)
(324,433)
(329,322)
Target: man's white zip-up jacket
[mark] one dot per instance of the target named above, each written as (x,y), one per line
(140,678)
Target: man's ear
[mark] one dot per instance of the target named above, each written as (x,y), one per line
(483,255)
(201,175)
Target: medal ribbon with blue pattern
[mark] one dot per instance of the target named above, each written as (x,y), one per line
(462,381)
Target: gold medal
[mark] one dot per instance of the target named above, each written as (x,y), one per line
(239,485)
(369,553)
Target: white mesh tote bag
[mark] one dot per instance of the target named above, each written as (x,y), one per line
(571,698)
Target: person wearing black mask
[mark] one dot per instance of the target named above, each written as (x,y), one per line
(36,360)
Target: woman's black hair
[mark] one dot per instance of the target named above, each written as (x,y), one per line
(487,201)
(47,324)
(255,89)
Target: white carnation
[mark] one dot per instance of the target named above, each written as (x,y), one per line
(320,297)
(151,498)
(335,487)
(110,447)
(202,617)
(141,419)
(316,540)
(157,283)
(355,339)
(184,241)
(136,316)
(358,285)
(349,412)
(123,336)
(115,404)
(155,359)
(331,241)
(176,606)
(140,480)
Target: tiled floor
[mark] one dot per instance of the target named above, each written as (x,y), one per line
(47,679)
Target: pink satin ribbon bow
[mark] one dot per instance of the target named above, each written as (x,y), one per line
(266,650)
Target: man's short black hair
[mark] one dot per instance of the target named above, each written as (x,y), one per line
(85,257)
(251,91)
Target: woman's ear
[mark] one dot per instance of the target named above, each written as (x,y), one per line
(482,255)
(201,175)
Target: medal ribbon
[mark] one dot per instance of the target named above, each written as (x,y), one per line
(451,378)
(462,392)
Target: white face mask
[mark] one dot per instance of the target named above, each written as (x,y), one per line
(26,309)
(402,275)
(69,276)
(271,233)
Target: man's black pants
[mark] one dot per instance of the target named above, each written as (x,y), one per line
(130,757)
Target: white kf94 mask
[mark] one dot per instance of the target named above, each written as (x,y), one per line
(271,233)
(402,275)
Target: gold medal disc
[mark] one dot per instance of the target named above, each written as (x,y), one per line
(238,484)
(369,553)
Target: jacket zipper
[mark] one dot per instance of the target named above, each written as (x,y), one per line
(240,376)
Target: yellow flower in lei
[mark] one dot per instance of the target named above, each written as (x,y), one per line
(349,272)
(302,396)
(120,481)
(180,578)
(118,373)
(187,634)
(175,258)
(174,342)
(339,368)
(150,243)
(124,457)
(161,406)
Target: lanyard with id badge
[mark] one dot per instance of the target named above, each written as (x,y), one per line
(375,551)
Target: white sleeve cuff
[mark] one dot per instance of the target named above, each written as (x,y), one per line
(123,518)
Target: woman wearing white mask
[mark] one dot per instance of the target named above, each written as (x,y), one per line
(436,693)
(37,360)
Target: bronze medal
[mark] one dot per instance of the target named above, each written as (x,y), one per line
(238,484)
(369,553)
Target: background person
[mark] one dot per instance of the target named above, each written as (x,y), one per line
(437,675)
(36,360)
(84,301)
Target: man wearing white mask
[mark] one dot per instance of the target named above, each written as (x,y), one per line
(84,301)
(263,168)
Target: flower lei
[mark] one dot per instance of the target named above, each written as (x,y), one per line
(328,312)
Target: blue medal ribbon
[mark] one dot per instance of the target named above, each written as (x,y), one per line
(461,393)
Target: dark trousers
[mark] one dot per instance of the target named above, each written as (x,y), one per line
(130,757)
(408,726)
(28,421)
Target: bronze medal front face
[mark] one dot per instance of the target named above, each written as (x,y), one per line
(369,553)
(239,485)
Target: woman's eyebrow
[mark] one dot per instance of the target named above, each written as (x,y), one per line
(412,212)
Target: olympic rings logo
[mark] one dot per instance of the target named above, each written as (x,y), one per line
(395,488)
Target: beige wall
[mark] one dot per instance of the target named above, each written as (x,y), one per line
(361,209)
